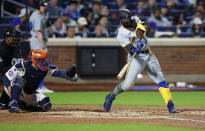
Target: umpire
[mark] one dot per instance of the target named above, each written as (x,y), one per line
(7,48)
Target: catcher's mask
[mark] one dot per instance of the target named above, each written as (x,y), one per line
(14,34)
(40,58)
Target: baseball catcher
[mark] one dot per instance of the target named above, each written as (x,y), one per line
(22,80)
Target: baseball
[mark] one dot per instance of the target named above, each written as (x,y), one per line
(139,76)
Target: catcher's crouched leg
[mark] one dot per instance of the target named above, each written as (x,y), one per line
(44,104)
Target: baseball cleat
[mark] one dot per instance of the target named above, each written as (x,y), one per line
(108,101)
(170,107)
(13,106)
(3,106)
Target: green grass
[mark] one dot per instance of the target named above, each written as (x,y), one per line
(127,98)
(88,127)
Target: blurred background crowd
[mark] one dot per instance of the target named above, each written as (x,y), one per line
(100,18)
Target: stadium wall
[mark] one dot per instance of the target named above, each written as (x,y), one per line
(180,59)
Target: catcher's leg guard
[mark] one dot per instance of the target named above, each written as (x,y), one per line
(108,101)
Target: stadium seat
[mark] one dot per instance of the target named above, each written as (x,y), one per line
(185,35)
(168,28)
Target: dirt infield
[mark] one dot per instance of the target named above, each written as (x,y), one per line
(188,117)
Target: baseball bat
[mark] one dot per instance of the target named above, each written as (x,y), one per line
(124,69)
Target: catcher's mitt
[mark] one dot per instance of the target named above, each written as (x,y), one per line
(71,73)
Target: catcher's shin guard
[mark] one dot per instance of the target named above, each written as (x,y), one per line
(108,101)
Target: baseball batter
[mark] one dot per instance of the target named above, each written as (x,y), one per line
(39,32)
(131,35)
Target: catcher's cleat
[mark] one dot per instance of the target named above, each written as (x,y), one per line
(170,107)
(108,101)
(13,106)
(3,106)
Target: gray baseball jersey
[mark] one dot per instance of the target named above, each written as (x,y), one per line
(38,23)
(141,61)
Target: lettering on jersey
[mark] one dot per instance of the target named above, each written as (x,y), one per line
(10,73)
(134,40)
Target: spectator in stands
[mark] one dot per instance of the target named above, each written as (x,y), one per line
(81,28)
(121,4)
(104,11)
(80,5)
(86,13)
(99,31)
(172,5)
(95,15)
(72,9)
(164,11)
(22,17)
(159,19)
(200,8)
(151,6)
(140,9)
(179,21)
(58,29)
(196,27)
(53,10)
(104,24)
(66,19)
(197,14)
(151,29)
(71,32)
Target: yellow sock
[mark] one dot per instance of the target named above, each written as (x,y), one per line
(166,94)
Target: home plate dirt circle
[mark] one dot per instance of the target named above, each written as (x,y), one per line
(187,116)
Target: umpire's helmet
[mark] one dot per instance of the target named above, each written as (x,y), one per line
(14,34)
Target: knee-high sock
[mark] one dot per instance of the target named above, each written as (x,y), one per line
(164,91)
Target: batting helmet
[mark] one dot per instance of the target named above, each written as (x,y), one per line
(125,15)
(40,58)
(127,19)
(14,34)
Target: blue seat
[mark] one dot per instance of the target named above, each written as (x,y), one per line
(185,35)
(91,28)
(3,27)
(168,28)
(112,34)
(91,34)
(184,28)
(6,20)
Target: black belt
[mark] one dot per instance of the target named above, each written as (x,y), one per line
(145,51)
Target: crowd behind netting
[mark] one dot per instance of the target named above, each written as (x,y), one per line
(100,18)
